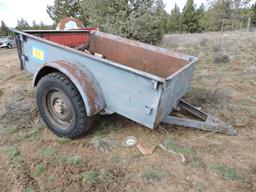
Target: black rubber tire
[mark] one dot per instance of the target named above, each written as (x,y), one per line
(9,46)
(59,81)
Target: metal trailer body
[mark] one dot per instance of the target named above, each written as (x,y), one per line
(139,81)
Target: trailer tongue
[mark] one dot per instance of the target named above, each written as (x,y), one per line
(82,73)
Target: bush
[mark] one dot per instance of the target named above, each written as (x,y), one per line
(221,58)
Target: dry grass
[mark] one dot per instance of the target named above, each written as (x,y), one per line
(209,96)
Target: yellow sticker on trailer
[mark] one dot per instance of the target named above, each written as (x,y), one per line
(38,54)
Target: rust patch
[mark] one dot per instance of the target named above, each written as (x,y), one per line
(87,83)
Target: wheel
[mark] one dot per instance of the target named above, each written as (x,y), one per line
(61,106)
(9,46)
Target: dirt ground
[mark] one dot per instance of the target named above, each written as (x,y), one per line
(33,159)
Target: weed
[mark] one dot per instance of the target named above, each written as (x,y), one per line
(4,77)
(57,190)
(225,172)
(33,110)
(40,125)
(12,153)
(217,48)
(213,96)
(39,169)
(197,163)
(1,141)
(252,113)
(115,159)
(63,140)
(90,177)
(246,100)
(153,175)
(221,58)
(73,159)
(24,75)
(170,144)
(10,130)
(254,170)
(29,93)
(203,42)
(102,143)
(51,178)
(135,155)
(19,93)
(100,179)
(29,189)
(198,186)
(48,151)
(35,133)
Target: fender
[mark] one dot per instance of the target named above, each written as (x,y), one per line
(82,78)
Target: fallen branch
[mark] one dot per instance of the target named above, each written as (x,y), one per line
(183,159)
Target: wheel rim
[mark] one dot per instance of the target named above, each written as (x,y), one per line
(58,108)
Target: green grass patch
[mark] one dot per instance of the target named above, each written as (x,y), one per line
(2,141)
(115,159)
(90,177)
(10,130)
(134,155)
(102,143)
(39,169)
(29,189)
(170,144)
(253,169)
(72,159)
(99,179)
(246,100)
(48,151)
(51,178)
(225,172)
(12,153)
(63,140)
(58,190)
(153,175)
(35,133)
(198,186)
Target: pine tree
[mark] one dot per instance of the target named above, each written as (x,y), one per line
(64,8)
(190,20)
(22,24)
(141,20)
(4,30)
(218,11)
(162,15)
(174,24)
(253,9)
(35,26)
(201,17)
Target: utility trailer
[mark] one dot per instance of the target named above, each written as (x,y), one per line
(82,73)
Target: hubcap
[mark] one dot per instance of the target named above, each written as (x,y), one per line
(58,108)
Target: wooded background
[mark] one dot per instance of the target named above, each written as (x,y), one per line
(147,20)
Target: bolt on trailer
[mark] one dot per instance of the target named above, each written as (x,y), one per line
(81,73)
